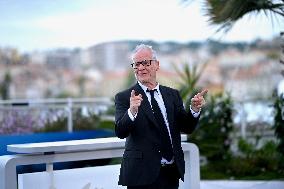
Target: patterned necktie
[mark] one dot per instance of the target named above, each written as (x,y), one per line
(166,146)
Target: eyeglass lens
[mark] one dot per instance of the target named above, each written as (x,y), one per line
(144,63)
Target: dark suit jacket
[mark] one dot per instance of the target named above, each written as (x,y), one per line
(141,159)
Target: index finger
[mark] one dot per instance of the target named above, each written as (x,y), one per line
(202,93)
(132,93)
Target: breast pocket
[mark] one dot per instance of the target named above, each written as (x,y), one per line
(133,154)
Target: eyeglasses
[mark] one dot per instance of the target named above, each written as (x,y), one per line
(145,63)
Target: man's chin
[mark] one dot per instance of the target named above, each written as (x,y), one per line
(143,80)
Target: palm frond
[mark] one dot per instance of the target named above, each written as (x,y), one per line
(226,13)
(189,76)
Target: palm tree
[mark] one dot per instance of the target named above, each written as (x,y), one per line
(225,13)
(189,77)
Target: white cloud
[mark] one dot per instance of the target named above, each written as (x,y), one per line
(148,20)
(159,20)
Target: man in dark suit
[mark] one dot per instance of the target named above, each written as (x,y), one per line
(151,117)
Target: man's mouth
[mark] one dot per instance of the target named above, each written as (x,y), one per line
(143,74)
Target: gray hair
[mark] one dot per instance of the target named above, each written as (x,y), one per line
(146,47)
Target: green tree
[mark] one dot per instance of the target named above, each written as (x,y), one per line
(5,86)
(80,122)
(279,122)
(215,122)
(256,161)
(82,85)
(282,47)
(215,126)
(189,77)
(279,115)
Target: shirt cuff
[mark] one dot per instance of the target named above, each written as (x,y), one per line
(195,114)
(131,116)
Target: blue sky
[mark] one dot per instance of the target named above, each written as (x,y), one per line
(45,24)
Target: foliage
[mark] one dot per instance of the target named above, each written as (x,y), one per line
(110,110)
(253,161)
(107,120)
(279,122)
(282,47)
(5,85)
(213,139)
(64,94)
(59,124)
(106,124)
(279,115)
(22,121)
(82,85)
(189,78)
(80,122)
(17,122)
(215,126)
(227,12)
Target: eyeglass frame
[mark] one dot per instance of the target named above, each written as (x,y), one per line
(145,63)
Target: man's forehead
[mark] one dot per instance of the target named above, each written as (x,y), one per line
(143,53)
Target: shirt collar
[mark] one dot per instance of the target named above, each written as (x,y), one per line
(145,88)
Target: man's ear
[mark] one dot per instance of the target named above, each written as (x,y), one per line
(158,65)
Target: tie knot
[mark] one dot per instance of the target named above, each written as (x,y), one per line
(151,91)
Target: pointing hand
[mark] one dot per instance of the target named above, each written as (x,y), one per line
(197,102)
(135,102)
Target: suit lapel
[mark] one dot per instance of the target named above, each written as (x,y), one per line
(145,105)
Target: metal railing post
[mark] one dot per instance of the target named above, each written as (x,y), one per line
(70,117)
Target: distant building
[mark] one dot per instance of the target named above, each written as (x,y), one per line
(37,58)
(102,70)
(60,58)
(248,76)
(110,56)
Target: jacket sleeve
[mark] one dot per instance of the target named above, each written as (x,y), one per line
(123,123)
(186,121)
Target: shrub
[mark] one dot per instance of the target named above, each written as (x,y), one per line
(253,162)
(279,121)
(215,126)
(18,122)
(80,122)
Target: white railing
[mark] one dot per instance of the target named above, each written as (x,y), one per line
(64,151)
